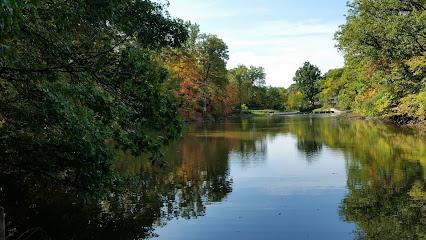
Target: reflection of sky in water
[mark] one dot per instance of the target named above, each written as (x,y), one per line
(277,194)
(301,177)
(284,169)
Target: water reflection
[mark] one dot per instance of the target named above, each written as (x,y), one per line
(386,177)
(296,177)
(308,138)
(385,167)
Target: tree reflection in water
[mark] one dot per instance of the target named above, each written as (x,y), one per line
(385,166)
(386,170)
(142,195)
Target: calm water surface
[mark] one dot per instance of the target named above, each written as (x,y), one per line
(302,177)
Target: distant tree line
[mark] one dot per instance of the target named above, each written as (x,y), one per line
(384,44)
(206,88)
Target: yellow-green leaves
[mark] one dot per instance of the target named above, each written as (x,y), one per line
(417,65)
(417,192)
(384,43)
(413,105)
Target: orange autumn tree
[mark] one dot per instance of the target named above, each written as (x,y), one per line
(232,101)
(199,75)
(185,76)
(185,79)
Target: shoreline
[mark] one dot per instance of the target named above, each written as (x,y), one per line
(419,125)
(412,124)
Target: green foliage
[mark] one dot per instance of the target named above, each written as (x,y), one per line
(244,108)
(213,54)
(384,42)
(417,65)
(384,29)
(275,98)
(251,85)
(252,91)
(413,106)
(331,86)
(304,94)
(307,79)
(296,100)
(256,75)
(81,80)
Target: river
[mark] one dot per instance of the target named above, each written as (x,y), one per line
(290,177)
(302,177)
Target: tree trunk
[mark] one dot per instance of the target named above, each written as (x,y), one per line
(2,224)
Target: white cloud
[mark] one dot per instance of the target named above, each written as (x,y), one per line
(279,45)
(307,27)
(284,47)
(210,10)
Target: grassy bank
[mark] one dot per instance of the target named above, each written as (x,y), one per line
(263,112)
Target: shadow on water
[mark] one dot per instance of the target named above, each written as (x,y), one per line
(385,181)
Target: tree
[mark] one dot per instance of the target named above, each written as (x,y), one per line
(80,79)
(239,74)
(295,99)
(250,81)
(232,101)
(256,75)
(185,74)
(213,54)
(307,79)
(331,86)
(383,41)
(199,74)
(274,98)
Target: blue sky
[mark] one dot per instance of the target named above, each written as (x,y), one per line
(277,34)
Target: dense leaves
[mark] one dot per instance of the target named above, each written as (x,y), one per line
(384,42)
(252,91)
(307,79)
(200,76)
(78,79)
(81,83)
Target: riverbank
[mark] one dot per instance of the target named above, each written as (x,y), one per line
(420,125)
(412,124)
(215,119)
(268,112)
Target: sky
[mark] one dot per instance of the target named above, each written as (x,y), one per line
(279,35)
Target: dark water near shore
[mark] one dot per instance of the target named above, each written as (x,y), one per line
(301,177)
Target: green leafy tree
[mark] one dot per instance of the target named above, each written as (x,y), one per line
(251,82)
(331,86)
(257,76)
(274,98)
(78,80)
(239,74)
(295,99)
(307,79)
(213,54)
(384,42)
